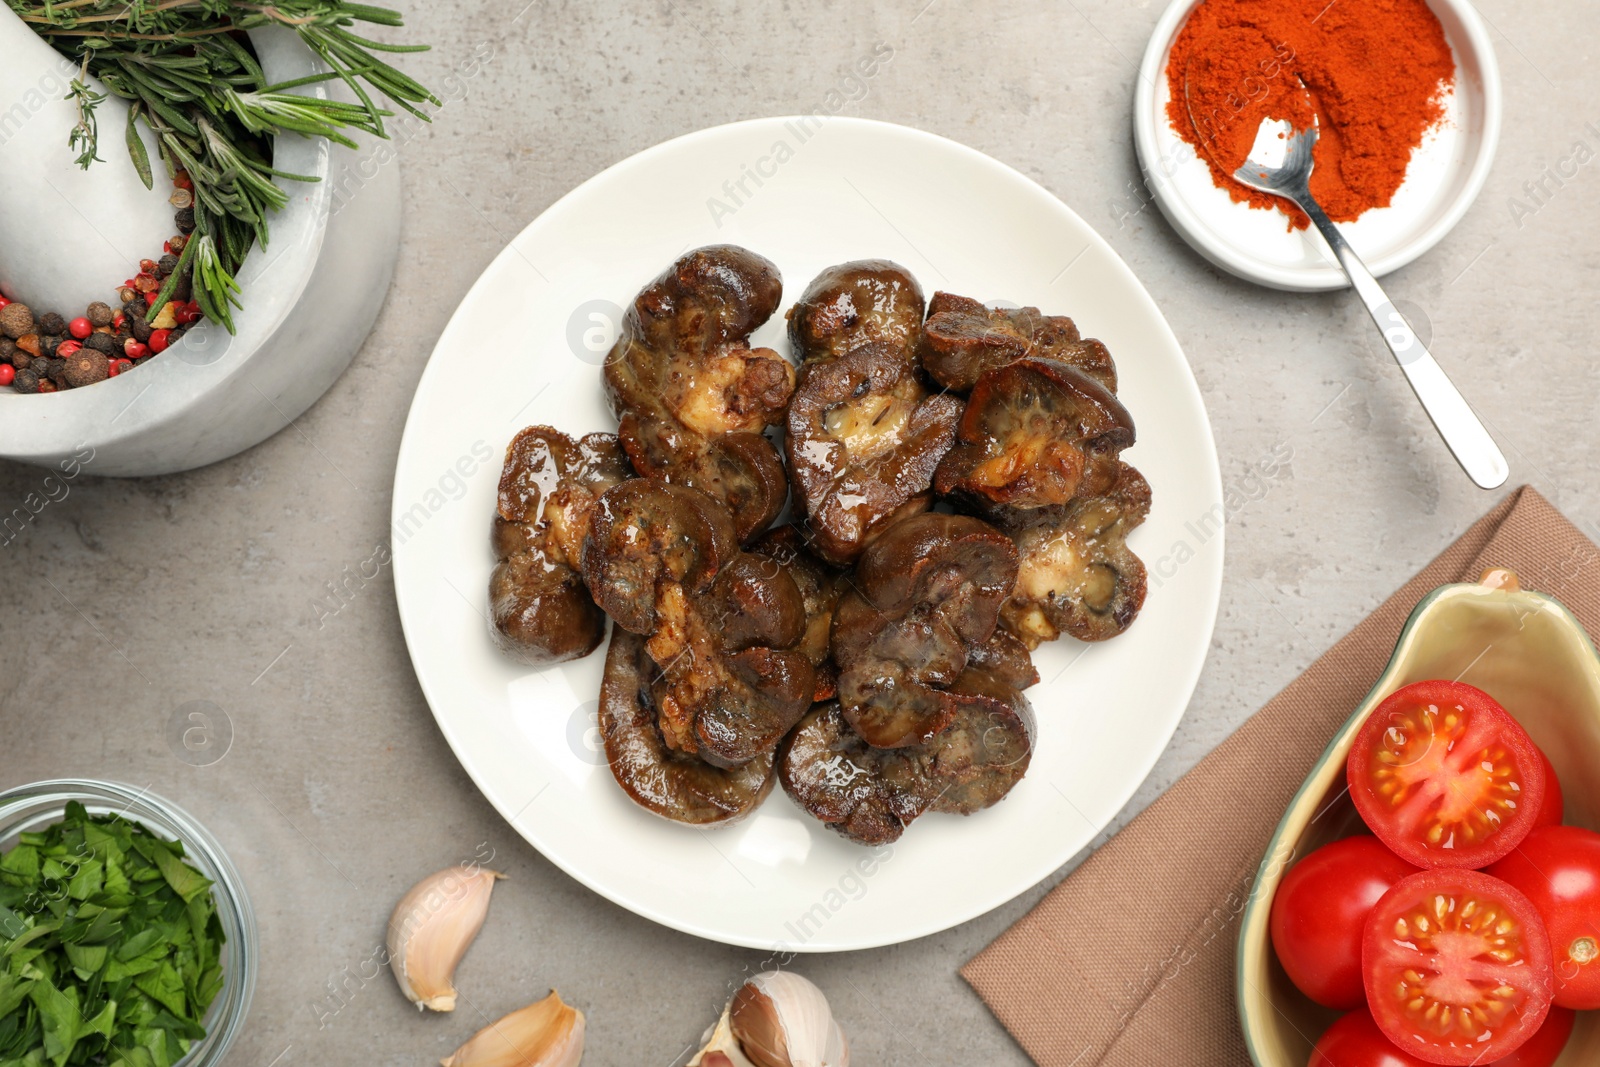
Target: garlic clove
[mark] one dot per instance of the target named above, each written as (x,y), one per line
(776,1019)
(546,1034)
(720,1048)
(431,929)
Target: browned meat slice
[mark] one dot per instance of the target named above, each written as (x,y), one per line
(1035,435)
(1077,575)
(722,624)
(670,784)
(864,441)
(691,396)
(820,587)
(867,301)
(540,609)
(962,338)
(1006,659)
(872,794)
(923,596)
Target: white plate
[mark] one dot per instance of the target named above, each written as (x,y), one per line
(525,347)
(1446,173)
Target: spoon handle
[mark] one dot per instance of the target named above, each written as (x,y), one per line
(1471,444)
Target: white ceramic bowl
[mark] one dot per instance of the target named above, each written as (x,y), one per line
(310,298)
(1445,176)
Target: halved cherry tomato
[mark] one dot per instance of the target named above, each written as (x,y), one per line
(1320,913)
(1445,777)
(1558,868)
(1356,1041)
(1553,810)
(1457,967)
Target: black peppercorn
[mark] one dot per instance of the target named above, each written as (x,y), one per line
(86,367)
(21,360)
(141,328)
(56,371)
(51,323)
(48,343)
(8,350)
(185,220)
(103,342)
(183,289)
(26,382)
(166,265)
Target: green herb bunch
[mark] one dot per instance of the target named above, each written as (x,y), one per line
(189,75)
(110,946)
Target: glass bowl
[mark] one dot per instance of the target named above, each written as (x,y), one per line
(34,807)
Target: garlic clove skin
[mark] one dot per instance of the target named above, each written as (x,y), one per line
(776,1019)
(720,1047)
(546,1034)
(431,929)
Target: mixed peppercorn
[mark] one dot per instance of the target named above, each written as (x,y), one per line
(46,353)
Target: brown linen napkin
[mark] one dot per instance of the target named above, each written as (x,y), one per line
(1130,959)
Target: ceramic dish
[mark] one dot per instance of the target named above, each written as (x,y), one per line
(1522,648)
(1446,173)
(310,298)
(526,347)
(34,807)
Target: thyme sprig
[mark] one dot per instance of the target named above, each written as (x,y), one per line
(188,74)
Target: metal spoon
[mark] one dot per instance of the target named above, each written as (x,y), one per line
(1280,164)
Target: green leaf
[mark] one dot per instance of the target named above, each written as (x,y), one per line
(13,991)
(58,1012)
(87,959)
(22,861)
(137,150)
(164,986)
(187,882)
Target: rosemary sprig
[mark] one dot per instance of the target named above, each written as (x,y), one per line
(191,79)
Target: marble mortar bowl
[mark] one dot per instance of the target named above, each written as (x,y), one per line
(310,297)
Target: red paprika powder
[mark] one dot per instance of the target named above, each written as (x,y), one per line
(1377,71)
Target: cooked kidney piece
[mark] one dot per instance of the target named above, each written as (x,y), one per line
(540,609)
(872,794)
(669,783)
(923,596)
(1077,575)
(820,588)
(866,301)
(691,396)
(962,338)
(722,624)
(1036,434)
(864,435)
(864,441)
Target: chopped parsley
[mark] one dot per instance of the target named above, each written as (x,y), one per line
(110,946)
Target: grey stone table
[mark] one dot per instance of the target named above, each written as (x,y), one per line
(124,601)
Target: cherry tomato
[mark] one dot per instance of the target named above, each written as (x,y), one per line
(1457,967)
(1320,912)
(1545,1047)
(1356,1041)
(1558,868)
(1445,777)
(1553,810)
